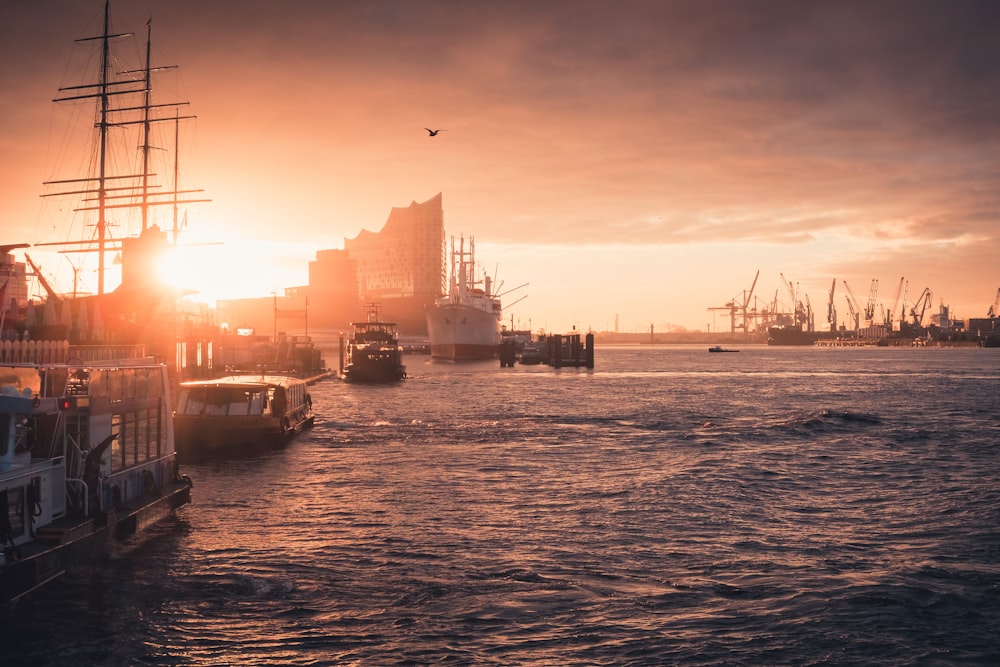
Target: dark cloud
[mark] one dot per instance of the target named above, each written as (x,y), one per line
(662,122)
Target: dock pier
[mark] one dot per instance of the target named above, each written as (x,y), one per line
(566,350)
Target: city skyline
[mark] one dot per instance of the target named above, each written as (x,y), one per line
(632,162)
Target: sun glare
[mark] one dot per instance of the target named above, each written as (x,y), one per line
(169,269)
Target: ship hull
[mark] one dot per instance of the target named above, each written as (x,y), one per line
(463,333)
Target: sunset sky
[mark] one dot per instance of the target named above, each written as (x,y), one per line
(638,160)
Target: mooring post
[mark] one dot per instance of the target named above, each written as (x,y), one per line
(590,350)
(342,353)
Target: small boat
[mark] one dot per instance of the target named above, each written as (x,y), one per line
(373,351)
(86,458)
(239,414)
(534,352)
(718,348)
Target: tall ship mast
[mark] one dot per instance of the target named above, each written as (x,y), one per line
(123,99)
(465,324)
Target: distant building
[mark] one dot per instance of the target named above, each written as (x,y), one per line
(401,267)
(334,298)
(13,284)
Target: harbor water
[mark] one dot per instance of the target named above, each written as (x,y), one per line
(779,506)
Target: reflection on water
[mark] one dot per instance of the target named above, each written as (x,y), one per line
(772,507)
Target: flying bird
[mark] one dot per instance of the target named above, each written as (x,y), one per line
(434,133)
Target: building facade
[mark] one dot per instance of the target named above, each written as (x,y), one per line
(401,267)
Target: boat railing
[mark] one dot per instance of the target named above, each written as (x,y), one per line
(82,494)
(132,481)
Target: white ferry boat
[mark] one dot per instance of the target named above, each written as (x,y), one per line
(240,414)
(86,457)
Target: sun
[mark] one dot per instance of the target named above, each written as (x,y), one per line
(167,268)
(204,273)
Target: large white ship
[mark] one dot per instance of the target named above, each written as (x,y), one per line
(465,323)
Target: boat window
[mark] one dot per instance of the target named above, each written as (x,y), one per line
(55,381)
(99,382)
(239,404)
(141,382)
(78,382)
(23,378)
(191,401)
(129,384)
(117,451)
(142,431)
(257,403)
(155,387)
(115,388)
(5,435)
(21,432)
(15,513)
(130,435)
(217,400)
(158,427)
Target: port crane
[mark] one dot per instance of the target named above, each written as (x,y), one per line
(801,313)
(740,309)
(995,308)
(870,306)
(831,310)
(921,303)
(855,315)
(854,305)
(41,279)
(895,304)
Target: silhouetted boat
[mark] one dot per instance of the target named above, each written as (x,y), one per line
(239,414)
(86,457)
(142,310)
(718,348)
(373,351)
(534,352)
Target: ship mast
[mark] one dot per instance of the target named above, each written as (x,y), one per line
(102,192)
(105,87)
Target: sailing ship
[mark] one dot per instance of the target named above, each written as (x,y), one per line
(373,351)
(465,324)
(122,194)
(87,452)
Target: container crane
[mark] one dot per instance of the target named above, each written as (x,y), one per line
(855,315)
(855,306)
(921,303)
(995,308)
(831,310)
(870,306)
(801,313)
(895,304)
(739,309)
(41,279)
